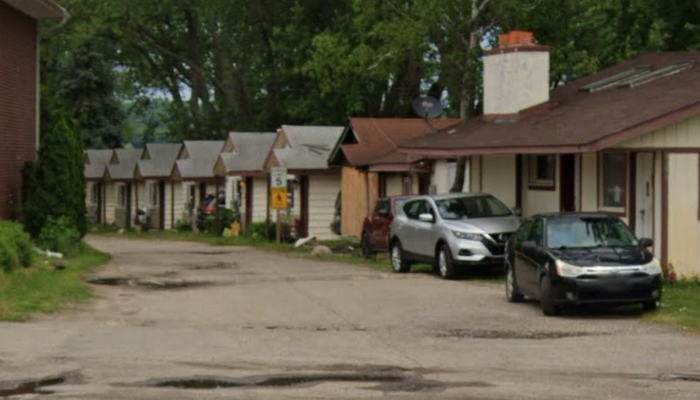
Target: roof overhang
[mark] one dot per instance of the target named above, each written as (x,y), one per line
(602,143)
(398,168)
(39,9)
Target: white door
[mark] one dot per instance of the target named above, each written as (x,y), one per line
(644,218)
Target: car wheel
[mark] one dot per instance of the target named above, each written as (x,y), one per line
(650,305)
(512,293)
(367,250)
(398,261)
(445,263)
(546,301)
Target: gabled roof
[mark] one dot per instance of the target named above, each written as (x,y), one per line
(157,160)
(38,9)
(197,158)
(96,161)
(122,163)
(579,119)
(247,152)
(372,141)
(307,147)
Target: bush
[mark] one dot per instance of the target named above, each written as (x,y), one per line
(258,229)
(216,222)
(58,234)
(183,225)
(15,246)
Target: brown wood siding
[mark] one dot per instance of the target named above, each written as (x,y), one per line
(18,98)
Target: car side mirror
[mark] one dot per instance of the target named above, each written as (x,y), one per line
(426,217)
(646,243)
(529,245)
(517,211)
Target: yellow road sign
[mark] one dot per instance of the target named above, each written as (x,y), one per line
(279,199)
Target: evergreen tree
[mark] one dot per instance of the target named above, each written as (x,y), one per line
(57,187)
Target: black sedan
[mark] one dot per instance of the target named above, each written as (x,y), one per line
(580,258)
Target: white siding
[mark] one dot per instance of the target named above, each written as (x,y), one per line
(394,184)
(499,177)
(110,201)
(323,191)
(683,224)
(682,134)
(540,201)
(259,199)
(444,174)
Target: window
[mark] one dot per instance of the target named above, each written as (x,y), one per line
(523,233)
(383,207)
(416,208)
(472,207)
(121,196)
(542,172)
(588,232)
(94,193)
(537,232)
(613,180)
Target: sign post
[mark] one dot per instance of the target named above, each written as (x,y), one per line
(279,200)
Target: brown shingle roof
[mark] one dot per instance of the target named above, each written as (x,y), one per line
(576,120)
(378,138)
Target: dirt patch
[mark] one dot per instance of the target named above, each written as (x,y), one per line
(110,281)
(210,253)
(36,386)
(386,382)
(508,334)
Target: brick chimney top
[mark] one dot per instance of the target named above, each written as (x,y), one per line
(516,38)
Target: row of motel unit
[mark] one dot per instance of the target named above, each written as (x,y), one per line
(625,141)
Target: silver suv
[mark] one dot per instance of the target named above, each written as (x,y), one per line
(449,230)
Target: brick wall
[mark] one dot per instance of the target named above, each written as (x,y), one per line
(18,69)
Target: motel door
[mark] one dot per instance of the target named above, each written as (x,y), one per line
(644,195)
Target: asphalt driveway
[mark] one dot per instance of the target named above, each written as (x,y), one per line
(175,320)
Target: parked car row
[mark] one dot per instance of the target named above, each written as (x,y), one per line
(559,259)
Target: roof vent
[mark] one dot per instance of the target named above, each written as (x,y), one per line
(656,74)
(614,80)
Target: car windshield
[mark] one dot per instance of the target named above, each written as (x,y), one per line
(472,207)
(588,232)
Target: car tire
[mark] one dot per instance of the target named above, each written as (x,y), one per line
(445,263)
(546,301)
(398,258)
(650,305)
(512,293)
(366,245)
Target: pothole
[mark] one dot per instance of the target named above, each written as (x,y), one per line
(36,386)
(151,284)
(507,334)
(386,382)
(680,377)
(217,265)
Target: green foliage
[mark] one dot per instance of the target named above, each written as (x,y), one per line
(216,222)
(44,289)
(183,225)
(16,249)
(680,304)
(59,234)
(55,186)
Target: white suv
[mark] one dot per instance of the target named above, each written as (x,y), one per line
(451,230)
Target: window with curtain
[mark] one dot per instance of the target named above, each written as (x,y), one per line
(542,171)
(613,180)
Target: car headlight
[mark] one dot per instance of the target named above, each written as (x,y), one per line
(567,270)
(652,268)
(467,236)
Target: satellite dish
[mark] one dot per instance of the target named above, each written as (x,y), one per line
(427,107)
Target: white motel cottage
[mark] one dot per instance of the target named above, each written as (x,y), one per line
(625,140)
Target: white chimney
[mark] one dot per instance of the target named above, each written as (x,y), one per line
(516,75)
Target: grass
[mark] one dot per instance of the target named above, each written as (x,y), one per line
(680,305)
(44,289)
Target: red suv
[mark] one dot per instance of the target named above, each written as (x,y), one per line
(375,228)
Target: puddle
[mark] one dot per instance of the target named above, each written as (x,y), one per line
(386,382)
(38,386)
(505,334)
(680,377)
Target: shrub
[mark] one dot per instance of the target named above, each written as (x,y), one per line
(183,225)
(258,229)
(216,222)
(58,234)
(15,246)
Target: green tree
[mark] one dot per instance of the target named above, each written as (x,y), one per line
(57,186)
